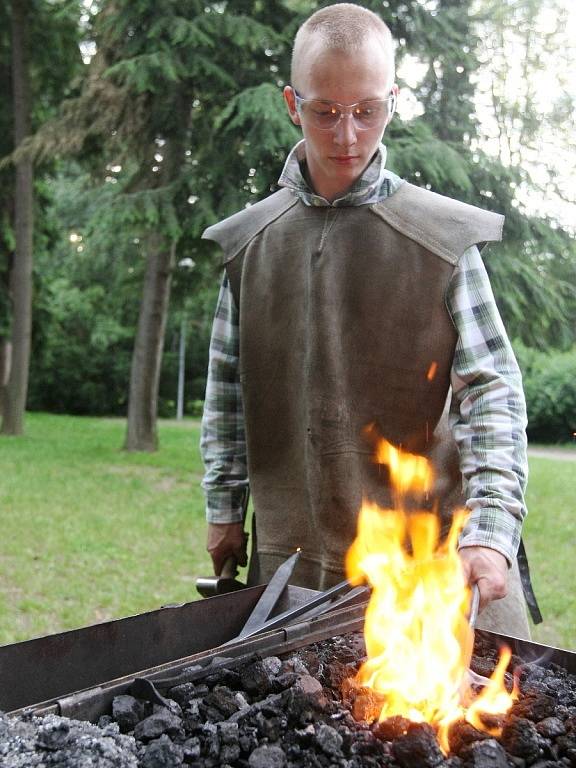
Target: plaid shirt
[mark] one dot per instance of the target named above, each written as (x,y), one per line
(487,411)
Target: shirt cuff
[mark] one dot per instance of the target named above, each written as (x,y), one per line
(492,528)
(225,505)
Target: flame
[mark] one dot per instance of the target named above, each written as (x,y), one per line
(494,699)
(418,639)
(408,472)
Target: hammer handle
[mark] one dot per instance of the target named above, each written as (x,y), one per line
(229,569)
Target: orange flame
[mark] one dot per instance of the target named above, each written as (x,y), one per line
(418,639)
(494,699)
(408,472)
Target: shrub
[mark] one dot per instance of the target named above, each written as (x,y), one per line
(550,387)
(195,408)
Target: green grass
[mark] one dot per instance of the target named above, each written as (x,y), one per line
(89,532)
(550,536)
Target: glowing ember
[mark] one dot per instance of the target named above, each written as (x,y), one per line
(432,371)
(418,639)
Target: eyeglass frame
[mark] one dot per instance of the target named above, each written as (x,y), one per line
(346,109)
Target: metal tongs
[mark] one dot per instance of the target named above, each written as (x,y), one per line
(474,605)
(314,607)
(258,622)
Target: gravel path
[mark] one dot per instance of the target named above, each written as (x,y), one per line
(552,452)
(562,454)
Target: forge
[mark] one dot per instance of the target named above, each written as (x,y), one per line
(272,700)
(383,669)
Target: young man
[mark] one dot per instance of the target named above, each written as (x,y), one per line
(342,292)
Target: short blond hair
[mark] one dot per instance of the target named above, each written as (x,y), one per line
(343,27)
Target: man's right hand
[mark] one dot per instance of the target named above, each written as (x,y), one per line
(227,540)
(487,568)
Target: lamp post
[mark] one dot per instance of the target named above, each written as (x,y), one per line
(186,263)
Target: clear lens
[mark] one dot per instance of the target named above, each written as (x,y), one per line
(325,115)
(320,114)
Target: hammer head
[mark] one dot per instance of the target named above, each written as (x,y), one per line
(211,586)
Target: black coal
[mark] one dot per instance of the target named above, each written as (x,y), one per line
(289,713)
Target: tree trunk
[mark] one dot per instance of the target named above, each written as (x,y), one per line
(5,364)
(21,273)
(141,433)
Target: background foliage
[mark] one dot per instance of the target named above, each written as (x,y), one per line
(550,394)
(175,120)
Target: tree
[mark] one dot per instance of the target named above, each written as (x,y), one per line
(24,26)
(158,83)
(16,389)
(447,150)
(528,103)
(169,140)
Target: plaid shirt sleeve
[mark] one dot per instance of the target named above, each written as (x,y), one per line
(223,443)
(487,413)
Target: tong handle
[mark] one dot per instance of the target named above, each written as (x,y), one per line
(474,605)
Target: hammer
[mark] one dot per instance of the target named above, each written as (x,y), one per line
(210,586)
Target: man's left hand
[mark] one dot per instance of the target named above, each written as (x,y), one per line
(488,569)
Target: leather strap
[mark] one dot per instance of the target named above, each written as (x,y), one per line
(527,587)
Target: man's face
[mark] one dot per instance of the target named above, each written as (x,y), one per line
(337,158)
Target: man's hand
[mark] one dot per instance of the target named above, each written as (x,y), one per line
(226,540)
(488,569)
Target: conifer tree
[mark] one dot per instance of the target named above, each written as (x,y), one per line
(24,62)
(159,84)
(180,122)
(444,150)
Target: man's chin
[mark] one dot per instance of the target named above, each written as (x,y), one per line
(337,175)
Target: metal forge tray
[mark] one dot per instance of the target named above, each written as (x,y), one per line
(78,673)
(54,666)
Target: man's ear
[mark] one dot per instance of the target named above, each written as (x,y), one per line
(290,99)
(394,92)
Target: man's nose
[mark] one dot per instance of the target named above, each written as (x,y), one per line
(345,131)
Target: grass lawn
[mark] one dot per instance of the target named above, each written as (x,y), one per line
(88,532)
(550,535)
